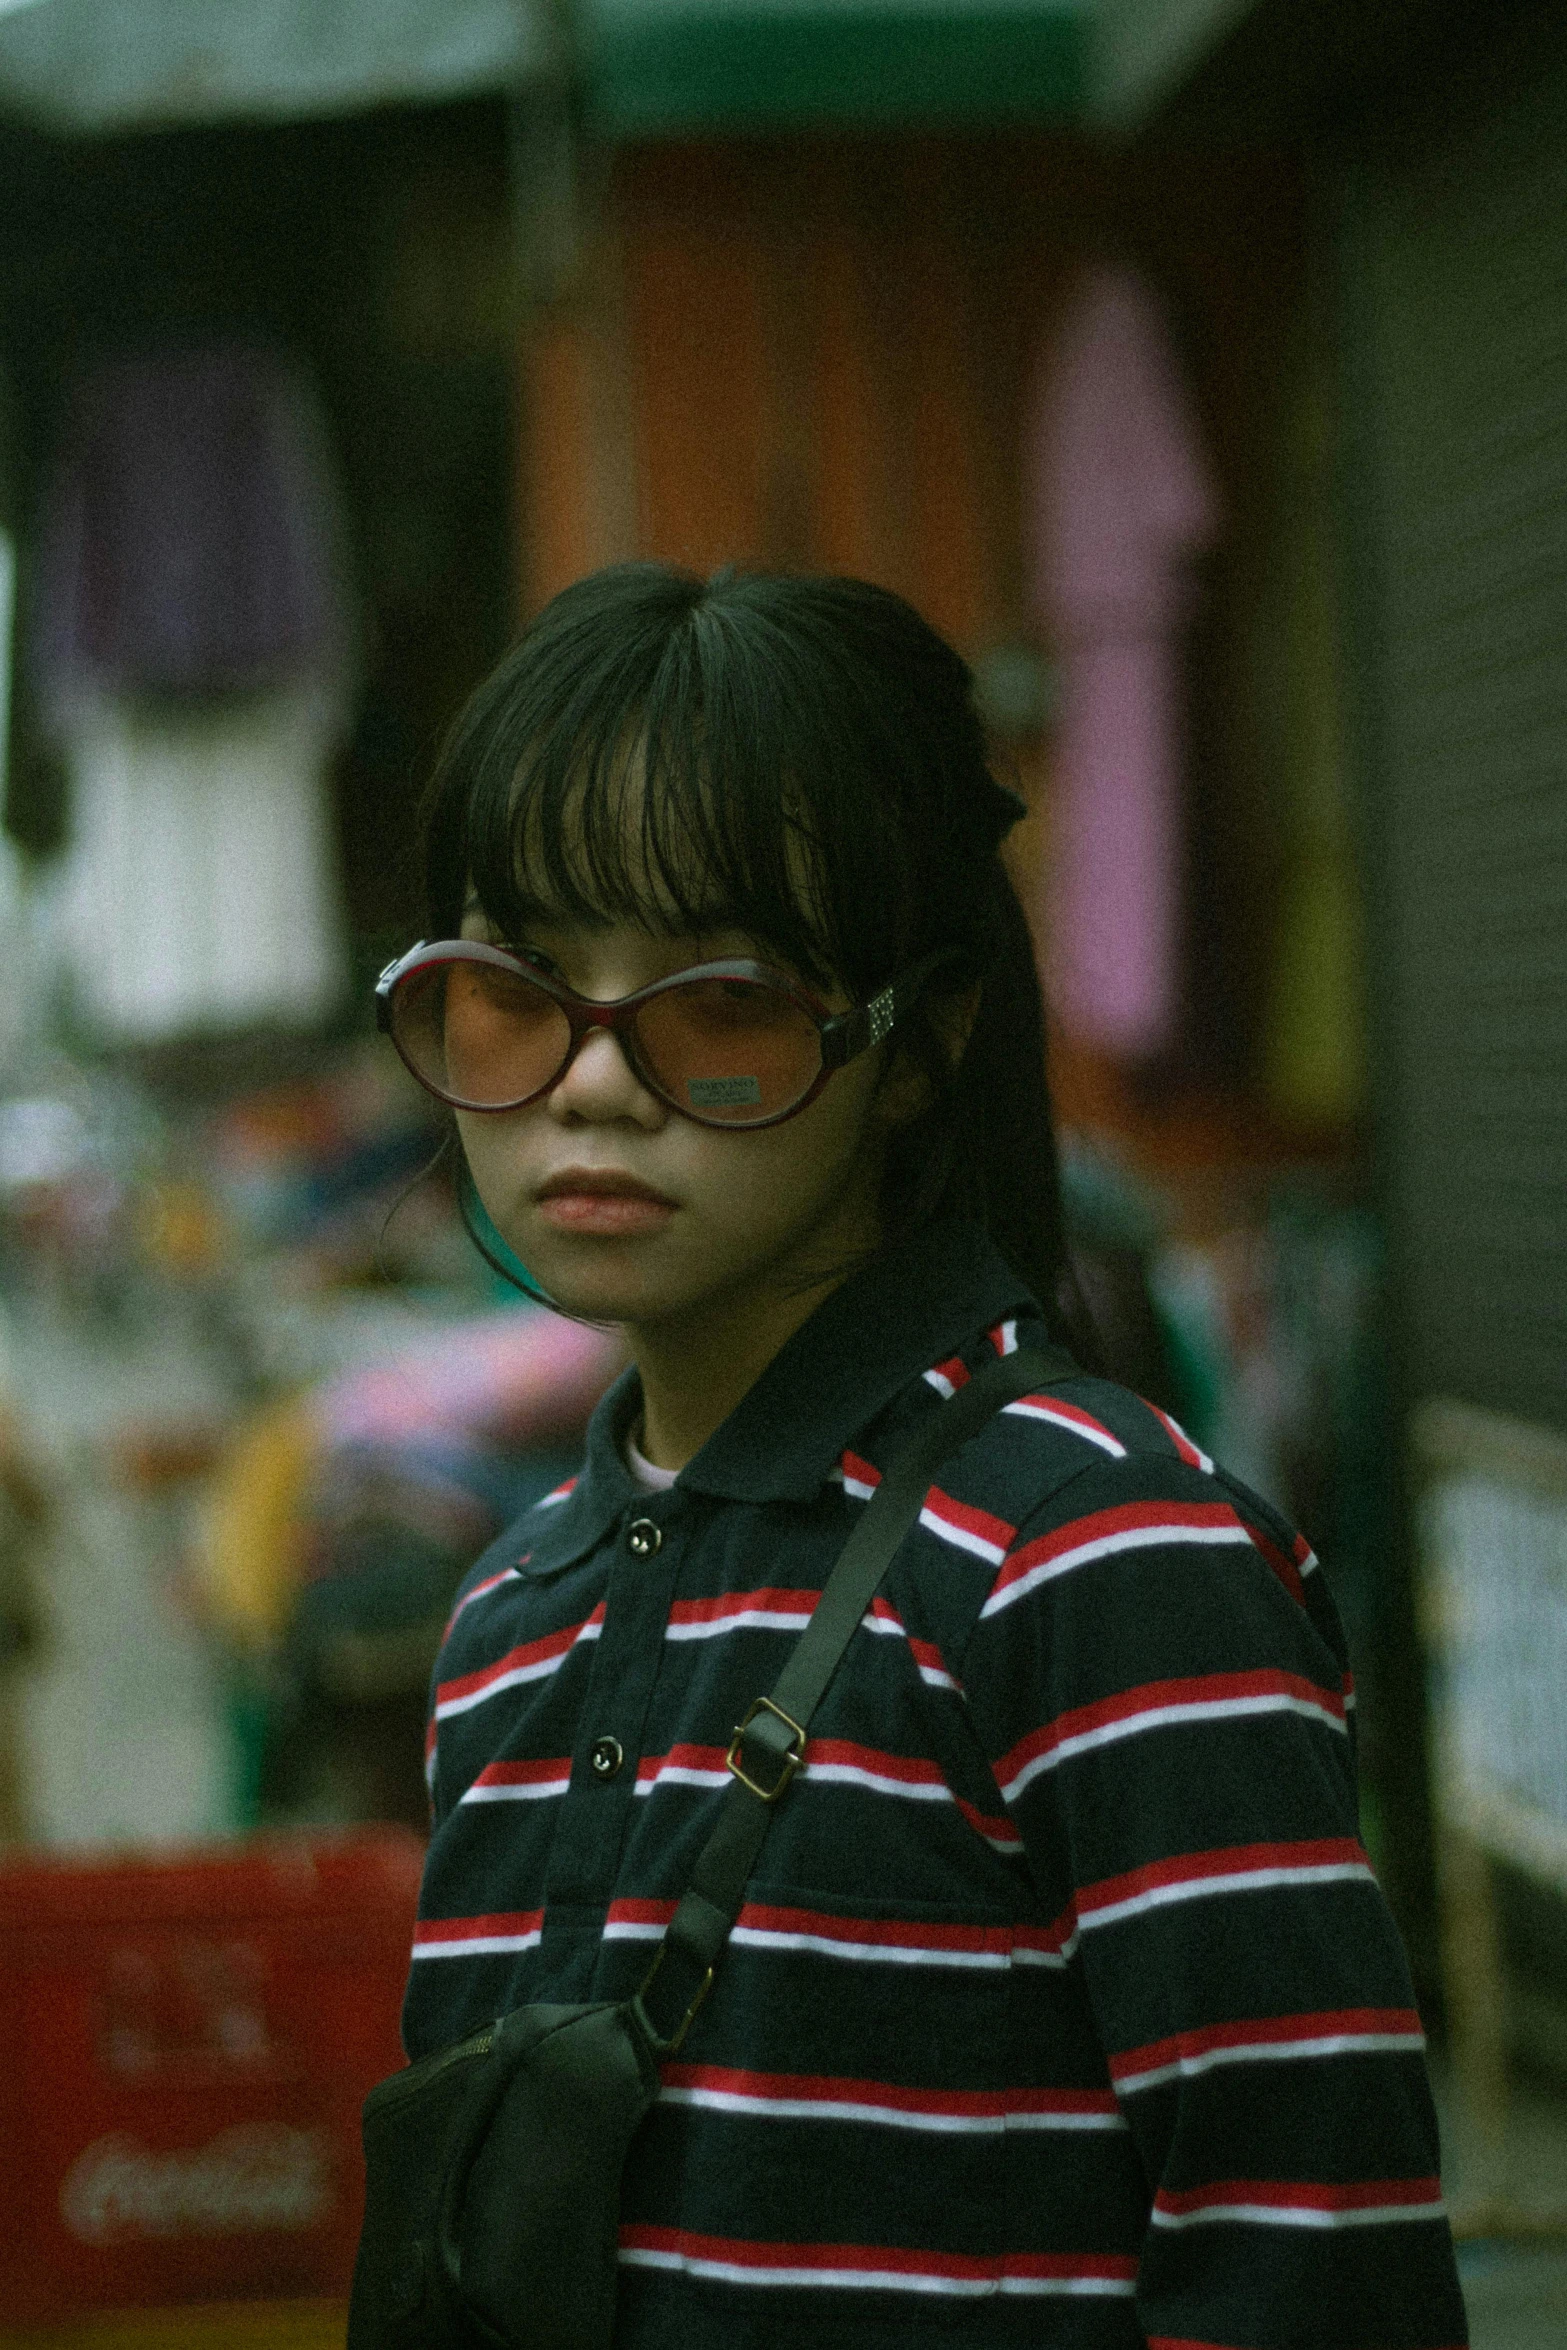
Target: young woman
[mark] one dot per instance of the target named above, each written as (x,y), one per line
(1064,2007)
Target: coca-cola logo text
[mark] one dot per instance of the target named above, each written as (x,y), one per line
(256,2179)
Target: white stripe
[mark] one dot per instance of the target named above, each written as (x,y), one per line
(992,1552)
(551,1501)
(893,2116)
(934,1676)
(743,1619)
(853,1775)
(1106,1546)
(1301,2215)
(881,2280)
(1024,1409)
(941,1383)
(893,1953)
(857,1488)
(1155,1717)
(634,1930)
(684,1775)
(491,1583)
(478,1945)
(1309,1564)
(1174,1427)
(539,1670)
(517,1790)
(1243,1881)
(1009,1338)
(1268,2051)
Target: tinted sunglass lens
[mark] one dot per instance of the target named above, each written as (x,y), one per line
(732,1052)
(478,1034)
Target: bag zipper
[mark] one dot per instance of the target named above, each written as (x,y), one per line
(419,2076)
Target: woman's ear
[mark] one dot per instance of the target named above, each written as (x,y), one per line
(905,1089)
(953,1017)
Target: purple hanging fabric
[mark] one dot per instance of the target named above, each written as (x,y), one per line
(1123,500)
(192,540)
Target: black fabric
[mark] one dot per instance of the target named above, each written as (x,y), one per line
(493,2169)
(697,1932)
(850,1359)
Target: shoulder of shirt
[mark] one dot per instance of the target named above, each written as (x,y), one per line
(1078,1457)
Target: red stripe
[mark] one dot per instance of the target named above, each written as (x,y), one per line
(892,2259)
(497,1922)
(1283,1566)
(994,1831)
(1299,2194)
(768,1601)
(531,1652)
(680,1758)
(863,1472)
(1177,1435)
(1264,2032)
(1152,1696)
(639,1913)
(523,1774)
(818,2088)
(953,1370)
(890,1933)
(1134,1517)
(924,1652)
(972,1521)
(1213,1867)
(1073,1412)
(930,1659)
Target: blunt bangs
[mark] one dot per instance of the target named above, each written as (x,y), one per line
(690,756)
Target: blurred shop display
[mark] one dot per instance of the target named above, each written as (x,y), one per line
(191,653)
(1123,502)
(1493,1546)
(338,1526)
(26,1507)
(184,2045)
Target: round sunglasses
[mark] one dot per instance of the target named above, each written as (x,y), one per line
(728,1044)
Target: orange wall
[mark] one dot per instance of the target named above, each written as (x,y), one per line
(822,354)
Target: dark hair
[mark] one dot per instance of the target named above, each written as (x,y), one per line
(815,774)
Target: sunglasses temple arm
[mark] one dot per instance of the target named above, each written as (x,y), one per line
(853,1033)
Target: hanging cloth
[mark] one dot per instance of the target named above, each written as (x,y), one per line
(192,540)
(1123,499)
(192,650)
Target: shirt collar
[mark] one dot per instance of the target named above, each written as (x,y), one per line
(919,1300)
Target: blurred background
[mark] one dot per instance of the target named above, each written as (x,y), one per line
(1199,367)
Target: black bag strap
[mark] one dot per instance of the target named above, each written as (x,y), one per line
(769,1745)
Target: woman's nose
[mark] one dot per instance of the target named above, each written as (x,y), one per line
(600,1083)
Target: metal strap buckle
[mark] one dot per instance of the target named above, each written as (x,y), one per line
(669,2046)
(791,1761)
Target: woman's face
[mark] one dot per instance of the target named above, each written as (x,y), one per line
(626,1212)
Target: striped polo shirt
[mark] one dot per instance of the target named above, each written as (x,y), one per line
(1064,2007)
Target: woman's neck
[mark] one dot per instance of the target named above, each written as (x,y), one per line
(696,1370)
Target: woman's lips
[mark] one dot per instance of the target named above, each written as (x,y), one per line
(603,1207)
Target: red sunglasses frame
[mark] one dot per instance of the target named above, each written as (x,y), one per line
(843,1036)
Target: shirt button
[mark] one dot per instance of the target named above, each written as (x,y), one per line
(643,1538)
(605,1757)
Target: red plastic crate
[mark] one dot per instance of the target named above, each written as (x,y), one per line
(185,2041)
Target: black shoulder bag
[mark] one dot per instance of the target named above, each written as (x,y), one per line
(493,2168)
